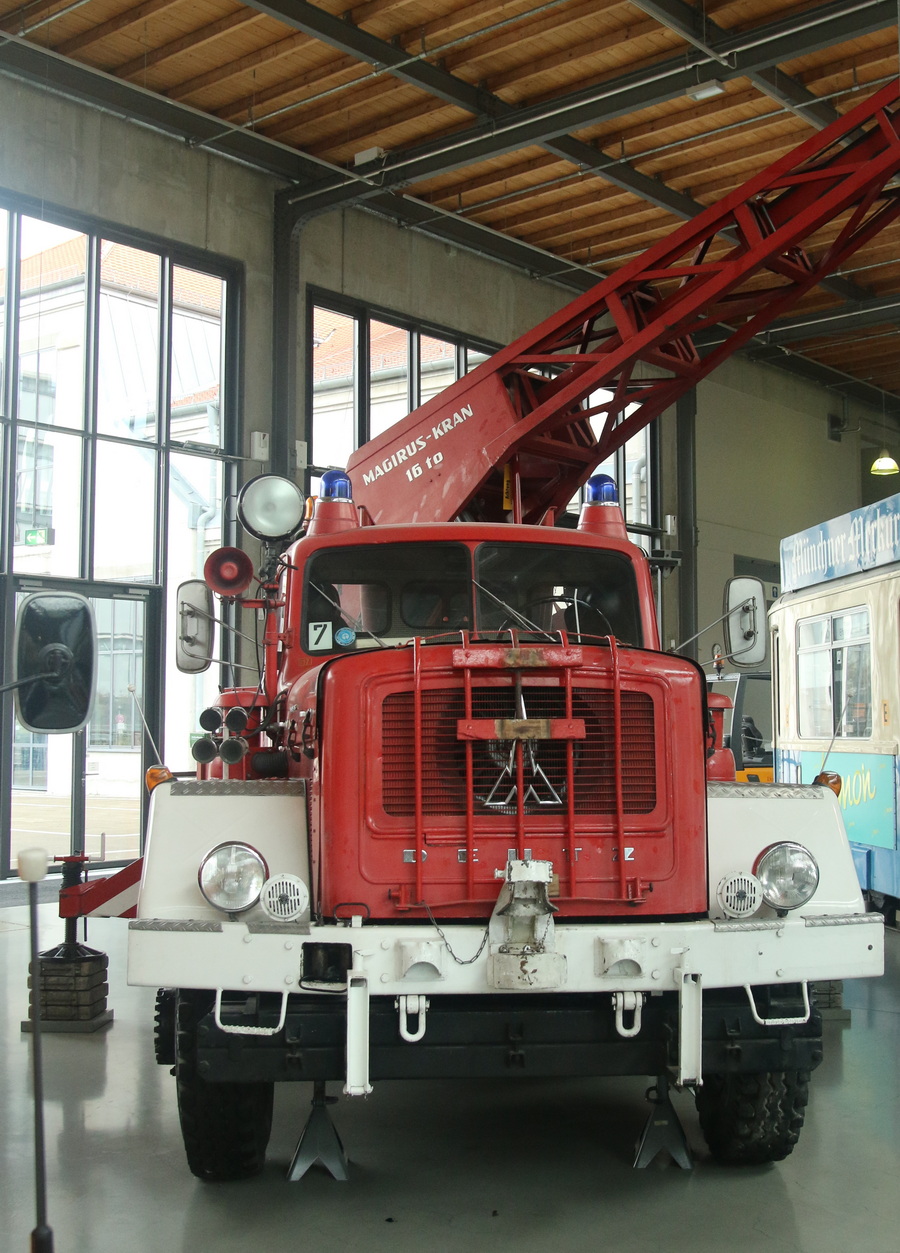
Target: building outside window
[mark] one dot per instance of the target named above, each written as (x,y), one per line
(370,369)
(29,760)
(117,410)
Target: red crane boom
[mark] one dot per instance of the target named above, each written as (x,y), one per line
(522,432)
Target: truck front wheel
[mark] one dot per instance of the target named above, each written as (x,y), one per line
(225,1126)
(752,1119)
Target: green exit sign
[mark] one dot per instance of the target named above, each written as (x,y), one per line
(39,535)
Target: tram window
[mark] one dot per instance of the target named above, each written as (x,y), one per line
(834,668)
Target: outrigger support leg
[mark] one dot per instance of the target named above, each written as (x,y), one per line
(663,1130)
(320,1141)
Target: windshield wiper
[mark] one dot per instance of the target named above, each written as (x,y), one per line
(514,613)
(354,623)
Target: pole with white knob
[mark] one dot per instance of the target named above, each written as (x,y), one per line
(32,867)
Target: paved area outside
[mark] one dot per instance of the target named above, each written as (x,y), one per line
(112,825)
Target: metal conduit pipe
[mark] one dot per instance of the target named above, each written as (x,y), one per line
(639,491)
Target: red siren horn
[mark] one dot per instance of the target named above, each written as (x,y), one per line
(228,571)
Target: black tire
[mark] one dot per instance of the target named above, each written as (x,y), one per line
(879,903)
(164,1027)
(225,1126)
(749,1120)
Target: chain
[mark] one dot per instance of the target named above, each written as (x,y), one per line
(460,961)
(467,961)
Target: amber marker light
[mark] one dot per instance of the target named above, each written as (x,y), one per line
(829,778)
(156,775)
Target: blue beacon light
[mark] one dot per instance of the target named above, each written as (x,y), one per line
(335,485)
(601,490)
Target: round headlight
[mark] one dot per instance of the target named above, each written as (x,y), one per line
(788,874)
(232,876)
(270,507)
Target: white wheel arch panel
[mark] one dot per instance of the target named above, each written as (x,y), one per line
(745,818)
(189,818)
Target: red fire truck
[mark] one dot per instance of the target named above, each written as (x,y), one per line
(472,821)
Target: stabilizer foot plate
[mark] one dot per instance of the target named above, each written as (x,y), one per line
(319,1142)
(662,1131)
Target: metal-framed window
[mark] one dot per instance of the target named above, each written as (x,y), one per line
(368,368)
(119,435)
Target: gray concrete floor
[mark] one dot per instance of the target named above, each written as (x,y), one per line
(524,1165)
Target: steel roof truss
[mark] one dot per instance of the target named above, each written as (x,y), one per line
(647,314)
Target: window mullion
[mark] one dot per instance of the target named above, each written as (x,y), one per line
(165,350)
(232,432)
(414,376)
(89,409)
(363,379)
(14,265)
(163,471)
(11,253)
(163,426)
(7,494)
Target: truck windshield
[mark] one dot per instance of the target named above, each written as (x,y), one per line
(547,588)
(376,596)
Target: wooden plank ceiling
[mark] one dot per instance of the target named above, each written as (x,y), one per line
(562,136)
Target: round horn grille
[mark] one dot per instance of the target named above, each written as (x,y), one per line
(739,895)
(285,897)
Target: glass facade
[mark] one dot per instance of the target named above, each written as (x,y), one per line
(117,406)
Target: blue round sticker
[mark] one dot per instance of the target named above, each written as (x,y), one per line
(344,636)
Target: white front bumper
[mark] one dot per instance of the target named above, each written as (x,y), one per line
(414,963)
(418,962)
(598,958)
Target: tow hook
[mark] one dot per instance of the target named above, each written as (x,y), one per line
(412,1006)
(628,1003)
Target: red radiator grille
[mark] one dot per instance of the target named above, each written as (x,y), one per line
(494,789)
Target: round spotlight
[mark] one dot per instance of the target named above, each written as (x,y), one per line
(231,877)
(270,507)
(788,875)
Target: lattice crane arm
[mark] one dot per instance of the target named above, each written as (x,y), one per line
(527,427)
